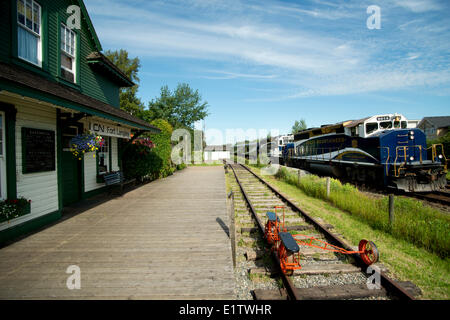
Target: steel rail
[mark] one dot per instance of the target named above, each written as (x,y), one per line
(386,282)
(288,284)
(436,197)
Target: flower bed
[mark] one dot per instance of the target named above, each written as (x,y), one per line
(10,209)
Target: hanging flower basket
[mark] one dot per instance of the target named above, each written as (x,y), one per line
(83,143)
(10,209)
(145,145)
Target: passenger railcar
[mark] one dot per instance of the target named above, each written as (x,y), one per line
(381,151)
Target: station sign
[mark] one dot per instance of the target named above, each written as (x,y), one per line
(111,130)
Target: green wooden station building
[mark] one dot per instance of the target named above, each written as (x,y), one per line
(55,83)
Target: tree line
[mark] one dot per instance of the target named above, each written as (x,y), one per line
(181,107)
(173,109)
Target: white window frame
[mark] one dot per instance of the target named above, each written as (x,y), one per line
(101,150)
(69,54)
(3,158)
(23,26)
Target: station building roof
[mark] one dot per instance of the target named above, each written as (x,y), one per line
(20,81)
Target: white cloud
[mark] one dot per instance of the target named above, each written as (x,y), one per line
(413,56)
(373,82)
(224,75)
(268,42)
(419,6)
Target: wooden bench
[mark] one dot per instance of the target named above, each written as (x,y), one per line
(116,179)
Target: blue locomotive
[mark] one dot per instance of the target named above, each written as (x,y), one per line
(381,150)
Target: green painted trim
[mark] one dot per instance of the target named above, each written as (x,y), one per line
(78,56)
(27,227)
(24,158)
(44,36)
(10,133)
(110,153)
(39,95)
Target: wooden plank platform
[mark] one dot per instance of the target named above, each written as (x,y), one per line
(165,240)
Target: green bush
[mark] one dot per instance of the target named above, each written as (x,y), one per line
(414,222)
(163,147)
(181,166)
(141,162)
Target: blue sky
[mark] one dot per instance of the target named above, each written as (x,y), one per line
(264,64)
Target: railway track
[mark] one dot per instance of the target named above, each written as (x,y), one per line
(436,196)
(256,197)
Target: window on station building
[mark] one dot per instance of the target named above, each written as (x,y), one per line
(103,157)
(29,33)
(371,127)
(386,125)
(68,51)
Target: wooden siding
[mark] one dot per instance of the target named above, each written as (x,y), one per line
(91,83)
(41,187)
(90,173)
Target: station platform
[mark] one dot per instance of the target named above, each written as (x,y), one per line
(164,240)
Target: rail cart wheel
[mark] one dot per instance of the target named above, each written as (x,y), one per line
(289,272)
(369,252)
(286,271)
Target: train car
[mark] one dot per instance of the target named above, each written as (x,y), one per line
(380,150)
(276,146)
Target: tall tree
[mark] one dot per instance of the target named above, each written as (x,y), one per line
(129,101)
(299,125)
(182,107)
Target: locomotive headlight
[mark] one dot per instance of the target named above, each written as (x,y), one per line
(411,137)
(411,132)
(440,156)
(411,158)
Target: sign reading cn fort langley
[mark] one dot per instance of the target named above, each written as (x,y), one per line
(105,129)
